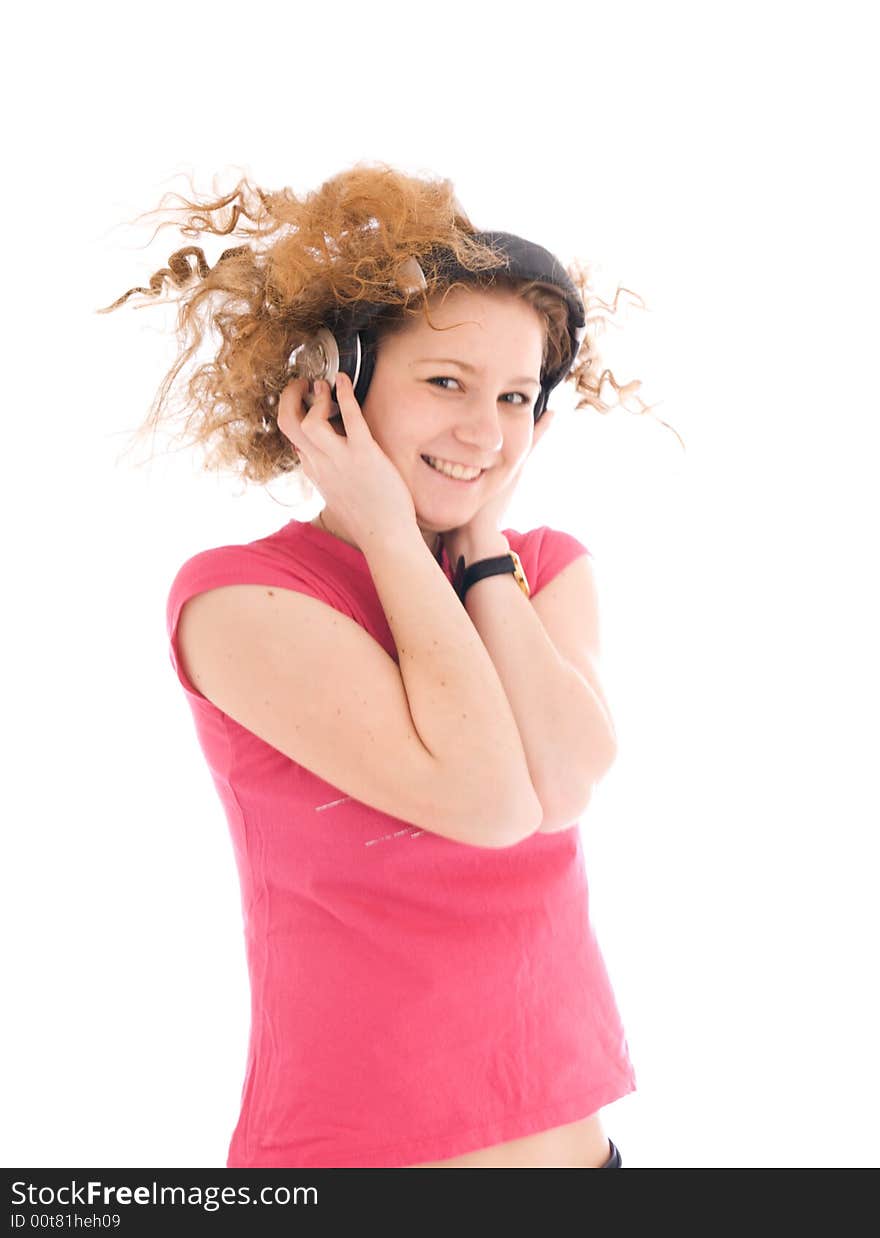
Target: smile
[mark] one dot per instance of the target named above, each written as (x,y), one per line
(452,472)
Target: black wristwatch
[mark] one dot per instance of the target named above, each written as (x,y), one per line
(464,577)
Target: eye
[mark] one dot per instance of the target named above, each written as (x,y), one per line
(524,399)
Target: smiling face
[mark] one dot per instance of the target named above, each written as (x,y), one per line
(462,395)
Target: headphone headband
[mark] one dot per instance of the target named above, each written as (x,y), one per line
(528,261)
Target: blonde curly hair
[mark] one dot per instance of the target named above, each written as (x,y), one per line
(352,240)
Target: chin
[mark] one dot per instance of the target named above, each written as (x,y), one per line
(432,526)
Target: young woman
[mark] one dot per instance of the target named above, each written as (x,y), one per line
(403,746)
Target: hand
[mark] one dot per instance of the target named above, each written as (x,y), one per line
(487,521)
(368,496)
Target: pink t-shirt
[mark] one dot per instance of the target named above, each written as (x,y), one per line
(412,998)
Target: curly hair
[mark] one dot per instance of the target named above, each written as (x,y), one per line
(352,240)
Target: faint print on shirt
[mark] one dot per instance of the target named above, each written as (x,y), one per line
(411,831)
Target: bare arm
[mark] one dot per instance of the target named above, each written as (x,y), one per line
(565,728)
(431,740)
(457,700)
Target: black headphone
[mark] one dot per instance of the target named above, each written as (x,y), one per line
(348,341)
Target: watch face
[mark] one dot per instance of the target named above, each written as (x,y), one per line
(520,574)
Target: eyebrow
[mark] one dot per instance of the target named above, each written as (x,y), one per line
(471,369)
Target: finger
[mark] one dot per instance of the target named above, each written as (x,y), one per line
(291,408)
(303,414)
(352,416)
(317,420)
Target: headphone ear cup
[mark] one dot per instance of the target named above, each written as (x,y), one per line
(315,357)
(368,364)
(357,358)
(348,358)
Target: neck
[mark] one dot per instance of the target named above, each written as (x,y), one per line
(432,539)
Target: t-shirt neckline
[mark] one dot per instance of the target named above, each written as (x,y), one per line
(352,556)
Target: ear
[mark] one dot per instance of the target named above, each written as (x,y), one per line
(541,426)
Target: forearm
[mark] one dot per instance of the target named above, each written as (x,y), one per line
(458,704)
(568,741)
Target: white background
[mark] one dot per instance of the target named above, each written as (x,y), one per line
(719,161)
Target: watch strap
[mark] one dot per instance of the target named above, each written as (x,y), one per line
(496,565)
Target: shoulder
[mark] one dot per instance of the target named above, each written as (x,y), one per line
(256,589)
(286,560)
(223,565)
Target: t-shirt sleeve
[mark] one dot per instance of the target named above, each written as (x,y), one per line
(231,565)
(553,549)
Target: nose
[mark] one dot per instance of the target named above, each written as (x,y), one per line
(479,426)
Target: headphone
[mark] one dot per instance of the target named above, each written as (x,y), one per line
(348,342)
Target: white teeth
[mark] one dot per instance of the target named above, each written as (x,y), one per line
(452,470)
